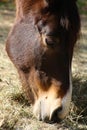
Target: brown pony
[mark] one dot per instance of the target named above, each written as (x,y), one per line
(40,45)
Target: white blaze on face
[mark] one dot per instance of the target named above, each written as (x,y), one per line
(45,107)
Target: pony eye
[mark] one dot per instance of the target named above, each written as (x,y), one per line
(45,10)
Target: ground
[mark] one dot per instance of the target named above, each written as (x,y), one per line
(15,111)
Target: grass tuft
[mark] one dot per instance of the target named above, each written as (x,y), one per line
(20,98)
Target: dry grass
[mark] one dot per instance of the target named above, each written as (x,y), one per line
(16,112)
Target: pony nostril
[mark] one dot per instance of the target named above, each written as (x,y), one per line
(46,119)
(55,117)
